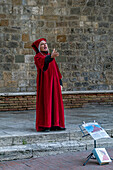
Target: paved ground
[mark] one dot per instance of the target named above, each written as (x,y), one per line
(23,122)
(67,161)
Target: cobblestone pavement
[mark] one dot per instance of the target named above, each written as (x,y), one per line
(66,161)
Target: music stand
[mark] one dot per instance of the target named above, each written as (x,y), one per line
(87,132)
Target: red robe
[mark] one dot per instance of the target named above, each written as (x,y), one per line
(49,103)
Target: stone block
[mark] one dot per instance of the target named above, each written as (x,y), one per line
(31,74)
(80,46)
(25,37)
(71,59)
(91,18)
(69,2)
(12,44)
(49,11)
(2,15)
(32,82)
(32,3)
(40,23)
(28,45)
(91,3)
(10,83)
(7,76)
(1,58)
(104,24)
(15,152)
(32,67)
(9,58)
(1,83)
(1,76)
(15,67)
(83,18)
(103,3)
(61,59)
(73,23)
(61,24)
(17,2)
(29,59)
(5,141)
(24,2)
(23,83)
(37,10)
(15,37)
(11,30)
(31,89)
(72,17)
(50,24)
(4,23)
(6,67)
(75,11)
(86,11)
(61,38)
(49,18)
(81,24)
(64,46)
(19,59)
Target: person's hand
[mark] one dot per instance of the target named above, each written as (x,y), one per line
(61,88)
(54,53)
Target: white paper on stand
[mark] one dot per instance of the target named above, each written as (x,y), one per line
(95,130)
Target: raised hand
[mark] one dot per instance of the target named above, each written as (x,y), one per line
(54,53)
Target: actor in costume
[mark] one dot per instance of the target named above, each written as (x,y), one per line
(49,104)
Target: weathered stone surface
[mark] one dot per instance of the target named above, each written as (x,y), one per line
(81,31)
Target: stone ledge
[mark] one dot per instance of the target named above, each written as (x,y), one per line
(63,92)
(43,149)
(43,137)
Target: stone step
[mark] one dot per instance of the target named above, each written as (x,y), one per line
(49,148)
(40,144)
(45,137)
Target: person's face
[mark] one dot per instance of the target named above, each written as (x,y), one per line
(43,46)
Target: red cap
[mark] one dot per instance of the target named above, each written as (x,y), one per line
(35,45)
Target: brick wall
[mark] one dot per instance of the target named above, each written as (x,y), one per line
(8,103)
(71,100)
(80,30)
(84,99)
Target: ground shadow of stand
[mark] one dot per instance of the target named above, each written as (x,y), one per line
(91,156)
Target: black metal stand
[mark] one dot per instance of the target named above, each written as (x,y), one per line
(91,156)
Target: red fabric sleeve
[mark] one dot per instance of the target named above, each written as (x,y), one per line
(60,76)
(39,61)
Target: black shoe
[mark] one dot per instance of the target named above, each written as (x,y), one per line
(46,130)
(60,128)
(54,128)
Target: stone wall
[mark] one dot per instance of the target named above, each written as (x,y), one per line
(81,30)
